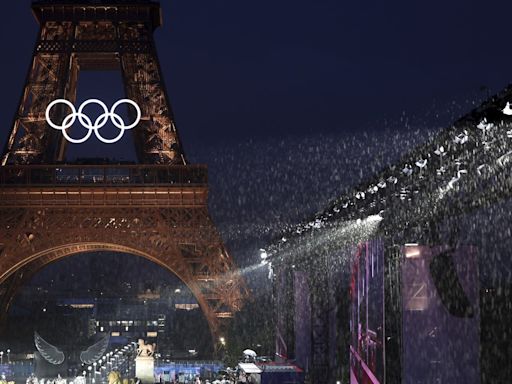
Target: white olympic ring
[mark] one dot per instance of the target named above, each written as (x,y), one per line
(86,122)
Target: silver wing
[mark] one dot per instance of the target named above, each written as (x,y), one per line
(95,351)
(51,353)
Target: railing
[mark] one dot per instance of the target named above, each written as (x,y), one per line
(93,46)
(109,174)
(359,370)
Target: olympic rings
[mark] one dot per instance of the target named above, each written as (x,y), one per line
(86,122)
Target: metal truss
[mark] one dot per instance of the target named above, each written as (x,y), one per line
(462,169)
(156,209)
(76,37)
(176,233)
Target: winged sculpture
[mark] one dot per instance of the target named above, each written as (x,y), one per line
(55,356)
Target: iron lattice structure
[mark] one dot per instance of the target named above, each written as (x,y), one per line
(156,209)
(79,36)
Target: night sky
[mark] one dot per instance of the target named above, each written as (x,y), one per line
(272,95)
(258,69)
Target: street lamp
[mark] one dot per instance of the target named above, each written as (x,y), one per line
(1,357)
(8,356)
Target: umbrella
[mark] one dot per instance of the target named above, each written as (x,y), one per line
(249,352)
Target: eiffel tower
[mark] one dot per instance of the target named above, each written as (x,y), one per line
(156,208)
